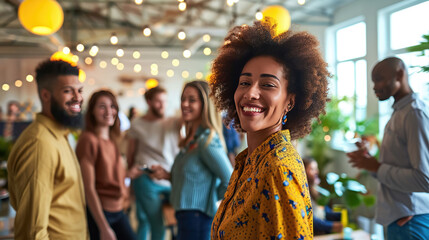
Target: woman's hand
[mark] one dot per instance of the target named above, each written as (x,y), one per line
(107,234)
(159,173)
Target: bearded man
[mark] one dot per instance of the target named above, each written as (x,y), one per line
(45,181)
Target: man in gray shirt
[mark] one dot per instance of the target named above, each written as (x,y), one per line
(403,169)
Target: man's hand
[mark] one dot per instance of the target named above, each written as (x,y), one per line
(362,159)
(337,227)
(159,173)
(402,221)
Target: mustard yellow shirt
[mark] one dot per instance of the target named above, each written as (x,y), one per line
(268,195)
(45,184)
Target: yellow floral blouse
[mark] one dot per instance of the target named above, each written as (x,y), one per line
(267,196)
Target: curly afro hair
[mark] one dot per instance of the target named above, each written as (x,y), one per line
(304,67)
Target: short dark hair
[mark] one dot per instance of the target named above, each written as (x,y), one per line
(48,71)
(298,53)
(150,94)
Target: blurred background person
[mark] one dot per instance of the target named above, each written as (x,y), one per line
(102,169)
(324,219)
(153,139)
(272,87)
(201,170)
(132,113)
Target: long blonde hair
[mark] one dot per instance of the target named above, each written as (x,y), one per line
(210,118)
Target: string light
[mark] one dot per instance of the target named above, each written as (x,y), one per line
(66,50)
(182,6)
(206,37)
(80,47)
(29,78)
(120,52)
(181,35)
(103,64)
(147,32)
(164,54)
(175,62)
(5,87)
(207,51)
(114,39)
(137,68)
(114,61)
(187,53)
(18,83)
(170,73)
(199,75)
(301,2)
(120,66)
(138,2)
(88,60)
(259,16)
(136,55)
(185,74)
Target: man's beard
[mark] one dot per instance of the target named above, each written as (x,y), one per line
(157,113)
(61,116)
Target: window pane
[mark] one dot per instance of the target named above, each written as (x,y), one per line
(351,42)
(361,90)
(419,81)
(346,84)
(408,25)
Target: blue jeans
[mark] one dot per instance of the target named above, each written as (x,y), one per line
(416,228)
(119,223)
(149,199)
(193,224)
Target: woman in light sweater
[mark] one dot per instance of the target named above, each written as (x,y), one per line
(103,171)
(201,171)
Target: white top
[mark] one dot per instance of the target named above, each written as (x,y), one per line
(157,142)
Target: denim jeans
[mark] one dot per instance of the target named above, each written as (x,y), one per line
(149,207)
(119,223)
(416,228)
(193,224)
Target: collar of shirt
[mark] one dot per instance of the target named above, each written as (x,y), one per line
(270,143)
(404,101)
(54,127)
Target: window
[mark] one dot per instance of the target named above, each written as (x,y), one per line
(405,24)
(351,70)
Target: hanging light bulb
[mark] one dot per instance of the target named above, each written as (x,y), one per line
(164,54)
(182,6)
(114,39)
(206,37)
(259,16)
(301,2)
(230,3)
(146,31)
(138,2)
(207,51)
(120,52)
(80,47)
(187,53)
(181,35)
(66,50)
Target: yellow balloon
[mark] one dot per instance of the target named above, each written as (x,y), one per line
(41,17)
(82,76)
(151,83)
(279,16)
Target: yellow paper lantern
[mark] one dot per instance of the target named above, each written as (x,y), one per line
(41,17)
(60,55)
(151,83)
(279,16)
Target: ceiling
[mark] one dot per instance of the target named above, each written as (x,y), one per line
(92,22)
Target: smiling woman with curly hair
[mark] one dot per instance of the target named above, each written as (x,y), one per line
(271,88)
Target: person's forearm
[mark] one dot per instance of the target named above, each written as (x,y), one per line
(95,208)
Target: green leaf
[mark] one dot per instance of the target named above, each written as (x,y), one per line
(369,200)
(331,178)
(352,199)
